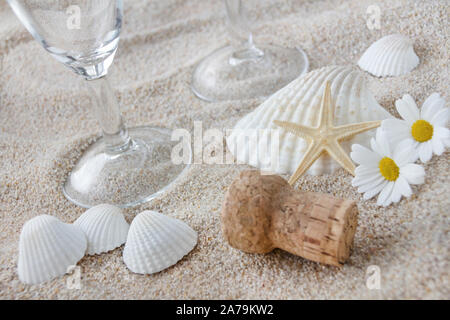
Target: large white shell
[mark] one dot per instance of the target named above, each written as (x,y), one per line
(47,248)
(392,55)
(299,102)
(156,242)
(105,228)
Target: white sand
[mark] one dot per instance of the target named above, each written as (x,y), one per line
(46,121)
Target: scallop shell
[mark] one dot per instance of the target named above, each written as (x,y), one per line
(47,248)
(105,228)
(156,242)
(392,55)
(299,102)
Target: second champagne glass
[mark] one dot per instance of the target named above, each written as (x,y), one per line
(245,70)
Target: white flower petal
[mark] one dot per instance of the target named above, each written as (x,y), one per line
(364,170)
(396,194)
(363,156)
(370,193)
(438,146)
(366,176)
(359,148)
(431,106)
(374,146)
(441,133)
(384,199)
(403,186)
(395,141)
(415,151)
(407,108)
(440,119)
(382,143)
(371,184)
(396,130)
(413,173)
(396,125)
(403,152)
(359,181)
(425,151)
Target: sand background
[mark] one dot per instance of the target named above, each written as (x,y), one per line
(46,122)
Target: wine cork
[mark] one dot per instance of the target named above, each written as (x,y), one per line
(263,212)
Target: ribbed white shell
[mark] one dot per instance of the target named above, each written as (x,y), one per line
(299,102)
(156,242)
(392,55)
(105,228)
(47,247)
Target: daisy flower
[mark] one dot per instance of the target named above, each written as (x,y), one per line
(426,127)
(385,171)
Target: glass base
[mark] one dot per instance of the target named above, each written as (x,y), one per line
(125,179)
(230,75)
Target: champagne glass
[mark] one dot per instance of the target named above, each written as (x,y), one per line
(245,70)
(124,167)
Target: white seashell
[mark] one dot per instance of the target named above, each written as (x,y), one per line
(299,102)
(156,242)
(392,55)
(105,228)
(47,248)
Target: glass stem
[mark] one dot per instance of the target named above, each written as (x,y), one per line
(241,34)
(107,111)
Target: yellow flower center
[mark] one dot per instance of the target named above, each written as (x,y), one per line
(389,169)
(422,130)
